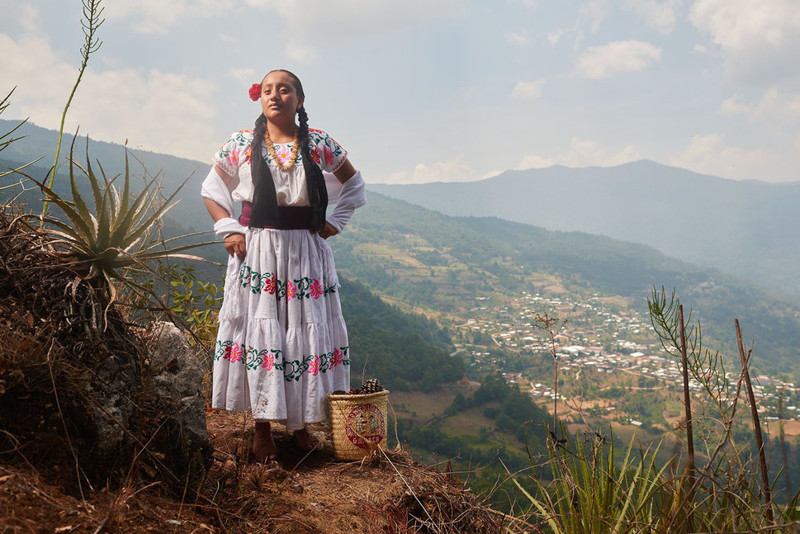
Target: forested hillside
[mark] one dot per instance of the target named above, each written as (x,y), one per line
(404,351)
(445,263)
(744,228)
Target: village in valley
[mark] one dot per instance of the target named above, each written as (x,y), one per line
(605,351)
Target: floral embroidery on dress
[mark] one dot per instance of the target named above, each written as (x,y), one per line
(291,290)
(269,283)
(314,364)
(264,359)
(299,288)
(338,358)
(270,359)
(313,368)
(236,353)
(315,289)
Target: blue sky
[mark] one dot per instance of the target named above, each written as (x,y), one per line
(432,90)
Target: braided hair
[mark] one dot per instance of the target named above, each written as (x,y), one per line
(264,197)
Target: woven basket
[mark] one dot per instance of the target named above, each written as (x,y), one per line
(358,424)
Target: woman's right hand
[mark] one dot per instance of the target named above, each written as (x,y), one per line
(235,244)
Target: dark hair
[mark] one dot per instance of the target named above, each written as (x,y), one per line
(264,196)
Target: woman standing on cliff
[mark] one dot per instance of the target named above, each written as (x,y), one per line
(282,343)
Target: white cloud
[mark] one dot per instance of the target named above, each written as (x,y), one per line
(593,13)
(156,16)
(619,56)
(590,17)
(520,39)
(776,112)
(760,40)
(582,154)
(454,170)
(708,154)
(528,90)
(28,17)
(535,162)
(660,14)
(312,23)
(246,76)
(554,36)
(468,94)
(157,111)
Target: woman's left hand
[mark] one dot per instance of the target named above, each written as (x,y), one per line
(328,231)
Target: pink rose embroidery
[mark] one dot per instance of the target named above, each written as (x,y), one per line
(315,154)
(247,154)
(226,353)
(328,156)
(284,153)
(315,289)
(338,356)
(291,290)
(237,353)
(313,368)
(269,361)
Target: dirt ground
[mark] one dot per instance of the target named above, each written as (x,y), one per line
(299,493)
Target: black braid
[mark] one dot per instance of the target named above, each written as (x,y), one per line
(264,204)
(315,181)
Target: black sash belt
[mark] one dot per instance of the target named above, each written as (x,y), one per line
(288,217)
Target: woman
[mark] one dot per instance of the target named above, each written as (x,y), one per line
(282,343)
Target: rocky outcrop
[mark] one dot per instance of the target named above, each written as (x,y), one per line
(176,380)
(83,396)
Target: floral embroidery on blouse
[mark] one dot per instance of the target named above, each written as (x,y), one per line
(324,150)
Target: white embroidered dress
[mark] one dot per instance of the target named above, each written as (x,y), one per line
(282,342)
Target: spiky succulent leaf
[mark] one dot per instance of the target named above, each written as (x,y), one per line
(114,237)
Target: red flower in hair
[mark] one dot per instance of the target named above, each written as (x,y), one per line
(255,91)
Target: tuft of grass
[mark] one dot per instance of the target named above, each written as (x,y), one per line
(590,492)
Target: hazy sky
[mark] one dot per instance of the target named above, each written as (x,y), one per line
(427,90)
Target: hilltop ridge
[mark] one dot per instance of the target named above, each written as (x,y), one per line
(744,228)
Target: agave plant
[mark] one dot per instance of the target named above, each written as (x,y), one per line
(115,237)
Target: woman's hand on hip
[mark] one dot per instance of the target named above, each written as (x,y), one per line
(235,244)
(328,231)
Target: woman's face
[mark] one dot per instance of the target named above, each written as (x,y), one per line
(279,98)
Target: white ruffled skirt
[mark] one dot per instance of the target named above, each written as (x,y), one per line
(282,342)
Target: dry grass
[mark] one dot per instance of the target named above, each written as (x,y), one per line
(298,493)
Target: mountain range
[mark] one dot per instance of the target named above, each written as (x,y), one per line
(744,228)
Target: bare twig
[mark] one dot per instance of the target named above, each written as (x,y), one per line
(756,424)
(784,448)
(91,22)
(687,403)
(551,325)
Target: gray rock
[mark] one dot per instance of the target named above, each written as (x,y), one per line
(177,385)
